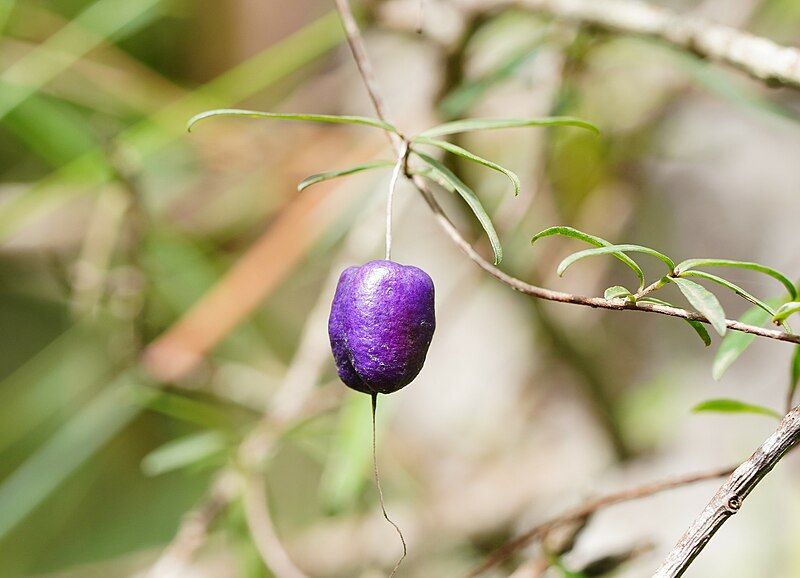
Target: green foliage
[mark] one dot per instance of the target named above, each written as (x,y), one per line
(463,153)
(734,406)
(444,174)
(785,310)
(592,240)
(320,177)
(736,342)
(69,448)
(698,327)
(698,296)
(704,301)
(473,124)
(575,257)
(774,273)
(733,287)
(436,170)
(617,292)
(325,118)
(183,452)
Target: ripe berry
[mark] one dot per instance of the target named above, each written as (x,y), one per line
(381,324)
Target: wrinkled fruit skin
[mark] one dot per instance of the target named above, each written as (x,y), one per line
(381,324)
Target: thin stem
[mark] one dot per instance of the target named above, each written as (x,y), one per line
(650,288)
(378,486)
(398,167)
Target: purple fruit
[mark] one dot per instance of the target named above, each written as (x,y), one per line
(381,324)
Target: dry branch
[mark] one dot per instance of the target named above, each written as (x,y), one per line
(587,509)
(730,496)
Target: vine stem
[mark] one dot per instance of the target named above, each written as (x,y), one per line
(377,476)
(398,167)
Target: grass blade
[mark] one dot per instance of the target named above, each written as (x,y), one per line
(464,153)
(326,176)
(471,199)
(104,19)
(473,124)
(326,118)
(69,448)
(703,301)
(774,273)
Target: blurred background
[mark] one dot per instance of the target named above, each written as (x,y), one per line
(165,294)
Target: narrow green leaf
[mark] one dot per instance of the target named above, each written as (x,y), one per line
(617,291)
(736,342)
(774,273)
(184,451)
(575,257)
(471,199)
(698,327)
(326,176)
(327,118)
(472,124)
(785,310)
(464,153)
(735,406)
(592,240)
(701,330)
(735,288)
(704,301)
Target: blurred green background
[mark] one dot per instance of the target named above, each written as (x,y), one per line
(157,288)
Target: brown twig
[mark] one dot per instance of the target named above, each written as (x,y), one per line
(730,496)
(587,509)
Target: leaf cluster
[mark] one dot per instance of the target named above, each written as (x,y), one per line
(700,298)
(431,168)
